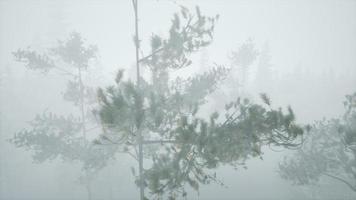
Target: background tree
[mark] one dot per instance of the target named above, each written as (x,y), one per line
(241,61)
(329,151)
(54,136)
(265,76)
(163,114)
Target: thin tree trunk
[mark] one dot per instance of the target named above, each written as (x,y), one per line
(82,112)
(88,187)
(82,109)
(140,138)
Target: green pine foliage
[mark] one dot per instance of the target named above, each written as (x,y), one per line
(166,111)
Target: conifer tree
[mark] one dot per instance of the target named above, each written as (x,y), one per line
(264,74)
(328,151)
(242,60)
(51,135)
(159,119)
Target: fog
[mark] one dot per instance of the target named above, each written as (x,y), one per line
(306,59)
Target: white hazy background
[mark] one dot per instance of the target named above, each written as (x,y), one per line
(313,55)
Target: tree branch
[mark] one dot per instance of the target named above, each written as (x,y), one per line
(353,188)
(152,54)
(159,142)
(66,72)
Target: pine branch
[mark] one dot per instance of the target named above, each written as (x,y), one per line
(160,142)
(353,188)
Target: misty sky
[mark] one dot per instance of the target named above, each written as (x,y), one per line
(314,38)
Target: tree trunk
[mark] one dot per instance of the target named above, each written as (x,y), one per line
(140,138)
(82,112)
(88,187)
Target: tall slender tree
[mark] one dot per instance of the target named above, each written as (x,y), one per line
(66,136)
(159,119)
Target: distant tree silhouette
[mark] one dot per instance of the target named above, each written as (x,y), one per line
(264,74)
(54,136)
(241,61)
(329,151)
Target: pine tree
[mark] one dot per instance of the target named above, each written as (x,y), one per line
(159,119)
(329,151)
(54,136)
(241,61)
(264,74)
